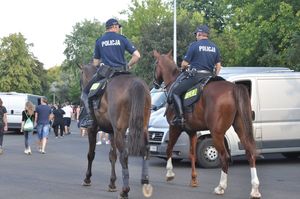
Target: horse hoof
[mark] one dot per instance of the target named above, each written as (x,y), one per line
(86,183)
(111,189)
(121,196)
(194,184)
(258,196)
(219,190)
(170,178)
(147,190)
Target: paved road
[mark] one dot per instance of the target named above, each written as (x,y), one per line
(59,174)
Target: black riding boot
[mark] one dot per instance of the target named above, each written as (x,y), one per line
(85,117)
(178,120)
(87,120)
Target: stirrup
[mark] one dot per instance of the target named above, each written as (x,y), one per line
(86,122)
(178,121)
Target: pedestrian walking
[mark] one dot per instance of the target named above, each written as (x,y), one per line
(3,124)
(58,121)
(67,117)
(42,120)
(27,125)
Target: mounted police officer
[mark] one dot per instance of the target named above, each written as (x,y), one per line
(109,54)
(202,59)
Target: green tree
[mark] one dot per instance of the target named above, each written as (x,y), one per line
(142,13)
(81,42)
(18,66)
(150,24)
(264,31)
(80,47)
(160,37)
(214,12)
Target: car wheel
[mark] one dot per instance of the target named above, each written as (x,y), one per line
(207,154)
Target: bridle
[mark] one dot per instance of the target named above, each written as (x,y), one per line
(156,83)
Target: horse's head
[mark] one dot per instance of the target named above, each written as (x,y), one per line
(87,72)
(165,69)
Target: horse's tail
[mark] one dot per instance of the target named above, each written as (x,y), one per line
(136,139)
(244,110)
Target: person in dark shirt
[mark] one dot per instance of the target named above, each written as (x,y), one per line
(58,121)
(3,124)
(42,121)
(202,54)
(109,51)
(202,57)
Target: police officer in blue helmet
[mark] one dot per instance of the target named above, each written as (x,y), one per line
(203,57)
(109,51)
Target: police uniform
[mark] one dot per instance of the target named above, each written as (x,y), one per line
(202,56)
(111,47)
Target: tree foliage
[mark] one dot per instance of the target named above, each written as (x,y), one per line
(79,50)
(264,31)
(81,42)
(214,12)
(22,71)
(248,33)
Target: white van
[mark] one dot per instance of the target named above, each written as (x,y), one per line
(275,100)
(15,104)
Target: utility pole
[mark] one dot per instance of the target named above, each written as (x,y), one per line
(174,34)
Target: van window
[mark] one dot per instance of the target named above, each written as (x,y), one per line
(34,99)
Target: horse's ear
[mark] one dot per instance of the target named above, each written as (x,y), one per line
(169,54)
(156,53)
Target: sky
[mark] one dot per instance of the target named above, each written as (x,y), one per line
(45,23)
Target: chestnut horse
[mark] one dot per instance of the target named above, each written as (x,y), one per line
(221,105)
(125,104)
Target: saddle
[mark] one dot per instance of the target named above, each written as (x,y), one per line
(106,73)
(193,94)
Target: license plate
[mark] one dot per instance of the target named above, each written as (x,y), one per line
(153,148)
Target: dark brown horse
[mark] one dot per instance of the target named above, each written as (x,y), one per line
(125,105)
(221,105)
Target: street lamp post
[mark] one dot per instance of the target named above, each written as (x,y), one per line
(53,89)
(174,34)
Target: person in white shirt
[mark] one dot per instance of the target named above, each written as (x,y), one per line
(67,117)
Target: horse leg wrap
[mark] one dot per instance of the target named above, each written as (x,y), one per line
(145,171)
(125,174)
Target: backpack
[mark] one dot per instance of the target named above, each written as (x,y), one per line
(28,126)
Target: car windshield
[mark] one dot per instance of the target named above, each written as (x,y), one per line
(158,99)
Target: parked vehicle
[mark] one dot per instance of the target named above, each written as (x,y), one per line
(158,98)
(15,104)
(275,94)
